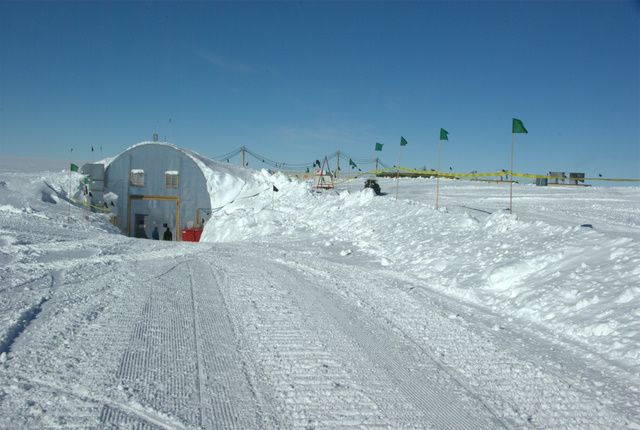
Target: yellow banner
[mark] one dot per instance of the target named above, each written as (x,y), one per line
(463,175)
(96,207)
(522,175)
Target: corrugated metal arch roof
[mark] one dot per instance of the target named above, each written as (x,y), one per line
(225,183)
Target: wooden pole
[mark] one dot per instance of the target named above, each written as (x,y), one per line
(511,175)
(242,155)
(438,178)
(88,205)
(338,168)
(398,175)
(69,214)
(373,165)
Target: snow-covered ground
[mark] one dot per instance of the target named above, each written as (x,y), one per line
(325,310)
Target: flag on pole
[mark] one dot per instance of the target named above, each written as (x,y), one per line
(351,163)
(403,141)
(379,146)
(74,168)
(444,134)
(518,127)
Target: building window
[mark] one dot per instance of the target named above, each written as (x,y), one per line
(137,178)
(171,179)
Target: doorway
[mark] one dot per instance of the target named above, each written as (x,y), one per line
(140,223)
(153,211)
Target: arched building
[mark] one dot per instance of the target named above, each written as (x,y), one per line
(161,185)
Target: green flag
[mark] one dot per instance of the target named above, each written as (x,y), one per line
(403,141)
(518,127)
(74,168)
(379,146)
(444,134)
(351,163)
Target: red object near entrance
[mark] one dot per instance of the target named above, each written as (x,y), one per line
(191,234)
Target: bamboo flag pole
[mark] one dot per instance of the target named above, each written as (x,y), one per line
(84,197)
(69,214)
(516,127)
(403,142)
(443,136)
(351,164)
(511,177)
(375,164)
(87,203)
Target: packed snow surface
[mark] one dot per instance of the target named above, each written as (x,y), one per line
(337,309)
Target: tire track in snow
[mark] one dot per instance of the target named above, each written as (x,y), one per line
(159,369)
(14,320)
(428,386)
(443,400)
(227,401)
(198,349)
(331,368)
(493,366)
(300,370)
(181,361)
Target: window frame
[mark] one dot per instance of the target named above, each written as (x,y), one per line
(171,179)
(137,178)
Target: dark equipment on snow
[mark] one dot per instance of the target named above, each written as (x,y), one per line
(373,184)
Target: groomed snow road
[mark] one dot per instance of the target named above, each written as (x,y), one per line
(235,337)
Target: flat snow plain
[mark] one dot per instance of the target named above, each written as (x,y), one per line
(325,310)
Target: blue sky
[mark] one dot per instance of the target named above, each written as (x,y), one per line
(295,81)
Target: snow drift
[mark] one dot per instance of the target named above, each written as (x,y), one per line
(559,278)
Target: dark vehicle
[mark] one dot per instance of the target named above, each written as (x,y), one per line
(373,184)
